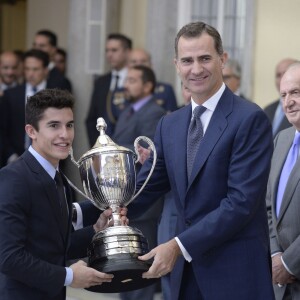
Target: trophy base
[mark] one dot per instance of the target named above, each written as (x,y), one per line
(127,271)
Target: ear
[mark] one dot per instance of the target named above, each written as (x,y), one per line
(148,87)
(30,130)
(176,65)
(224,58)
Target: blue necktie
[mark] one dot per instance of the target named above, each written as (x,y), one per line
(286,171)
(195,135)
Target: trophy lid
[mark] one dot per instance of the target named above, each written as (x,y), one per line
(104,144)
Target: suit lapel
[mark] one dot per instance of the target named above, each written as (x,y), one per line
(49,187)
(215,129)
(179,137)
(284,146)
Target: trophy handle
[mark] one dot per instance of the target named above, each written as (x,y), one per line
(72,158)
(152,147)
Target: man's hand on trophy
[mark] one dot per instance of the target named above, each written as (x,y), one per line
(165,256)
(144,153)
(106,219)
(85,277)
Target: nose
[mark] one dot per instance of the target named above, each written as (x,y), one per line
(288,100)
(197,68)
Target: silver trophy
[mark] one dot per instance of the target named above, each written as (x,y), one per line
(109,179)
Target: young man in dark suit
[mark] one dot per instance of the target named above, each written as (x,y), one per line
(35,210)
(46,41)
(13,103)
(216,164)
(108,99)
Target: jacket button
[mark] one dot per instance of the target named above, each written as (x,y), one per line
(188,223)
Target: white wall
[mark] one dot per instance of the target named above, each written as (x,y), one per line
(277,37)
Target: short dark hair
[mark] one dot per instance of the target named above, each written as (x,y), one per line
(38,54)
(52,37)
(196,29)
(147,75)
(62,52)
(47,98)
(126,41)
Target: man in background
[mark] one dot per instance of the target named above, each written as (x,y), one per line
(164,92)
(140,119)
(232,74)
(46,40)
(8,70)
(274,111)
(108,99)
(12,114)
(284,191)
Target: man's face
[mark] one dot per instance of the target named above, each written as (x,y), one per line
(290,94)
(230,79)
(55,134)
(116,54)
(135,89)
(41,42)
(8,68)
(60,62)
(199,66)
(34,71)
(139,57)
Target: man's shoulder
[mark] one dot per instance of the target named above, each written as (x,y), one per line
(17,90)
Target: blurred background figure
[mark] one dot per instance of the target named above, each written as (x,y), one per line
(140,119)
(108,99)
(46,41)
(20,71)
(232,74)
(60,60)
(8,70)
(164,92)
(274,111)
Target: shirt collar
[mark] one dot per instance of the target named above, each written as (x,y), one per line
(47,166)
(213,101)
(140,103)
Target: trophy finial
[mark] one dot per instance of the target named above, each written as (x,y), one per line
(101,125)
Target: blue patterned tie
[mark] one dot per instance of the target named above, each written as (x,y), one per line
(195,135)
(286,170)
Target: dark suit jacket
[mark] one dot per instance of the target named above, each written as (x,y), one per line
(103,105)
(33,248)
(285,230)
(56,79)
(12,122)
(165,96)
(222,221)
(270,112)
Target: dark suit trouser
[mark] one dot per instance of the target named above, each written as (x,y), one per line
(189,288)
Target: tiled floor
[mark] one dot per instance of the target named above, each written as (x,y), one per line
(77,294)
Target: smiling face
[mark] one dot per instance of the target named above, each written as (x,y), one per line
(200,66)
(290,94)
(8,68)
(54,135)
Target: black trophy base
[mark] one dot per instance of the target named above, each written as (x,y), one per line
(127,271)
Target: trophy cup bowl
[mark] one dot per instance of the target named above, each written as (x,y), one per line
(109,180)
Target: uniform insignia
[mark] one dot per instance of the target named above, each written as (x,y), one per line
(160,102)
(159,89)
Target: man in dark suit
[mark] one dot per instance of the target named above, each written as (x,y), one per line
(14,100)
(46,41)
(221,250)
(108,99)
(163,93)
(140,119)
(283,193)
(274,110)
(35,210)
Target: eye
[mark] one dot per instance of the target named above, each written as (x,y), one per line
(70,125)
